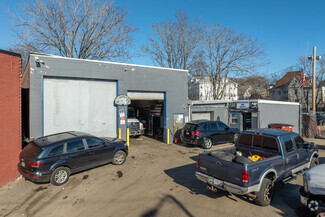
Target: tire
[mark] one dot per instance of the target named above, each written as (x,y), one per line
(314,162)
(119,158)
(264,196)
(235,137)
(60,176)
(207,143)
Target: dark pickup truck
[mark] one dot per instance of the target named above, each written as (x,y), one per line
(259,159)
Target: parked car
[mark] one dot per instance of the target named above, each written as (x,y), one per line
(312,194)
(55,157)
(259,158)
(206,133)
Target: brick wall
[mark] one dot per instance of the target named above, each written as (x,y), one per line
(10,115)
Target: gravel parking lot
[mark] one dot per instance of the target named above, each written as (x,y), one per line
(156,180)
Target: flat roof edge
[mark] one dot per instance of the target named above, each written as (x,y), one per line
(10,53)
(106,62)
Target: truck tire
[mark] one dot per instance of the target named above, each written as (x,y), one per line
(314,162)
(60,176)
(207,143)
(265,194)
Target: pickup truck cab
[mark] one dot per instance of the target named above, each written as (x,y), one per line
(259,159)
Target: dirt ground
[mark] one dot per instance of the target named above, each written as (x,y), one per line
(156,180)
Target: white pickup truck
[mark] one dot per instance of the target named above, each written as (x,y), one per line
(135,126)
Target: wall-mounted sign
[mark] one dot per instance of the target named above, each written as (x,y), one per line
(122,100)
(242,105)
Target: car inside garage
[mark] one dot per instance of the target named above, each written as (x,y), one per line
(148,108)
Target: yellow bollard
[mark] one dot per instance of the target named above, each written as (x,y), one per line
(127,137)
(167,136)
(119,133)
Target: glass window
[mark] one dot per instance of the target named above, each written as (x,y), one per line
(222,126)
(94,143)
(56,150)
(234,118)
(288,144)
(205,127)
(32,150)
(257,141)
(299,141)
(75,146)
(245,139)
(213,126)
(270,143)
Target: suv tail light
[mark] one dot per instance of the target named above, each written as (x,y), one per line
(196,133)
(35,164)
(198,162)
(245,176)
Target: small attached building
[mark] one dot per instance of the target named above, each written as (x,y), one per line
(67,94)
(248,114)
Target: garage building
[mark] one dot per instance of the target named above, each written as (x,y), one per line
(248,114)
(67,94)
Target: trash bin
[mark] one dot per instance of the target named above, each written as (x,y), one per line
(279,126)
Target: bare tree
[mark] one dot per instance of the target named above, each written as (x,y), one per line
(228,53)
(86,29)
(176,44)
(251,87)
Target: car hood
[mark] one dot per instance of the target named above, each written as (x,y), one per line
(315,178)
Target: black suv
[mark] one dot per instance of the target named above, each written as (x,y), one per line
(54,157)
(206,133)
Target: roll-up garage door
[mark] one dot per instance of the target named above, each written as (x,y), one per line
(201,116)
(79,105)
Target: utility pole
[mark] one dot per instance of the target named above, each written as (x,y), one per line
(314,80)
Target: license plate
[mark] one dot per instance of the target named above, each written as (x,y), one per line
(23,164)
(217,182)
(187,133)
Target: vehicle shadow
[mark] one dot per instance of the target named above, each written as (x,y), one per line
(185,176)
(287,199)
(167,200)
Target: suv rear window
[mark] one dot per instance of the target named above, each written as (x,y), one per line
(189,127)
(32,150)
(56,150)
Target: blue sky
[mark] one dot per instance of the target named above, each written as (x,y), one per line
(286,28)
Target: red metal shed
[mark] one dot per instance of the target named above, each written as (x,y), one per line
(10,115)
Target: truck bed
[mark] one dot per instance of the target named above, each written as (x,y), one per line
(225,165)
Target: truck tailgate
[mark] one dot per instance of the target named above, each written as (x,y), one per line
(221,169)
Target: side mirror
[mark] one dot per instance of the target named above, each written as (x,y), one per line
(227,128)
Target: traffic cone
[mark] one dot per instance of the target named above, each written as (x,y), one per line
(319,133)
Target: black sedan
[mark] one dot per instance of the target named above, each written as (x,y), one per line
(54,157)
(206,133)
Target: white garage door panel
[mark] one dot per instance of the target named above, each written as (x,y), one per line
(201,116)
(79,105)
